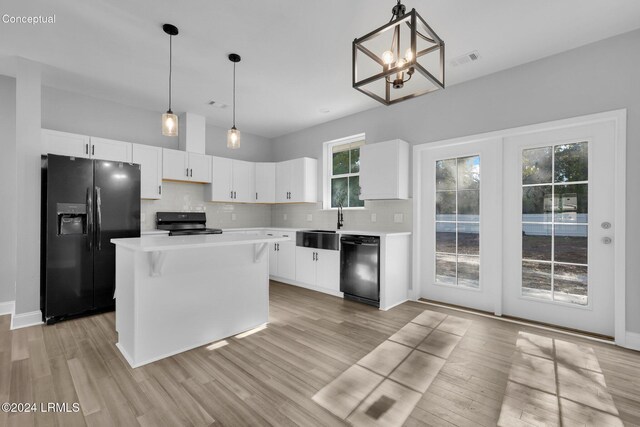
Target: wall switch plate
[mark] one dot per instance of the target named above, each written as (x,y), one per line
(374,217)
(309,217)
(284,216)
(233,217)
(398,218)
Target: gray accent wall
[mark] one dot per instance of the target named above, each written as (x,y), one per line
(8,195)
(598,77)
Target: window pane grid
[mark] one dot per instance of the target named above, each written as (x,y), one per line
(345,175)
(565,281)
(457,252)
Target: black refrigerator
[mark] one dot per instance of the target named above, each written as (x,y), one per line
(85,204)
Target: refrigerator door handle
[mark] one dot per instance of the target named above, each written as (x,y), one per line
(89,219)
(98,218)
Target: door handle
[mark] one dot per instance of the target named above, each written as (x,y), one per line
(89,217)
(99,218)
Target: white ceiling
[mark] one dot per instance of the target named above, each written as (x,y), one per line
(296,54)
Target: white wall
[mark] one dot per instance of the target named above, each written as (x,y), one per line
(599,77)
(8,212)
(71,112)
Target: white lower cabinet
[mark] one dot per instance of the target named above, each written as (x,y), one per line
(282,256)
(318,269)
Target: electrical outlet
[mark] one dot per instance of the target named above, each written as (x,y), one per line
(233,217)
(374,217)
(309,217)
(284,216)
(398,218)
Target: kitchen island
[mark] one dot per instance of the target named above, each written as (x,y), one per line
(177,293)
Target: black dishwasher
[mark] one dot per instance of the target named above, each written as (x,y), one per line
(360,268)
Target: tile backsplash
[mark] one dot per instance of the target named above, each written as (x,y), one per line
(378,215)
(186,197)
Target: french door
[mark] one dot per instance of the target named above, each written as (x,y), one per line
(522,223)
(460,223)
(559,211)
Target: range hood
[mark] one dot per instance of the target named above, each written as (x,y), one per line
(192,133)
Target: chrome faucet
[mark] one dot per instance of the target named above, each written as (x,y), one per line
(340,217)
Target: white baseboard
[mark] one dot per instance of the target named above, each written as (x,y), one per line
(24,320)
(6,307)
(304,285)
(633,341)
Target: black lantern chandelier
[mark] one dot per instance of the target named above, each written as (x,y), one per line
(386,59)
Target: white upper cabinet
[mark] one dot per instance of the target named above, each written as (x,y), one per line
(244,181)
(74,145)
(222,176)
(109,149)
(296,181)
(182,166)
(265,182)
(65,144)
(384,170)
(150,160)
(233,181)
(199,167)
(175,165)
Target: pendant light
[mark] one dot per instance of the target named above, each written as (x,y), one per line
(233,134)
(418,56)
(170,120)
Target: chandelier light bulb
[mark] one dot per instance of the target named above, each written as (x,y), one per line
(169,124)
(408,55)
(387,57)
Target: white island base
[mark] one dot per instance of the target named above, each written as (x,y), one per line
(177,293)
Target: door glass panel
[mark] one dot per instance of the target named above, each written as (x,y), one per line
(469,271)
(536,241)
(537,165)
(445,206)
(571,204)
(571,162)
(536,203)
(536,279)
(446,237)
(446,174)
(570,243)
(446,269)
(458,221)
(469,238)
(570,283)
(555,195)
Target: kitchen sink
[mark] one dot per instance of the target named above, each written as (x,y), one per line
(319,239)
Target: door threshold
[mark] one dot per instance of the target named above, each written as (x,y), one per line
(512,319)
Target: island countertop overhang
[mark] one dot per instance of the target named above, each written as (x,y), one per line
(164,243)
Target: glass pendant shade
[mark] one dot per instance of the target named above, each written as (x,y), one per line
(233,138)
(169,124)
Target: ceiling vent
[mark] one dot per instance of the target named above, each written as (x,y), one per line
(465,59)
(217,104)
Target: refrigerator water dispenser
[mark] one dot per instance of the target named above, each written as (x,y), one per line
(72,219)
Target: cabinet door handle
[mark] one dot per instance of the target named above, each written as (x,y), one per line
(187,171)
(256,195)
(314,256)
(93,150)
(317,257)
(191,173)
(160,189)
(86,149)
(235,195)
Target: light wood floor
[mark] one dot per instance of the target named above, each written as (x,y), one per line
(268,378)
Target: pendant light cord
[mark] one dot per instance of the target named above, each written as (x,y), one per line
(234,94)
(170,67)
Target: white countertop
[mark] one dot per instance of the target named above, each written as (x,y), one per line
(359,232)
(169,243)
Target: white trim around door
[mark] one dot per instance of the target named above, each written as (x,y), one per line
(618,118)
